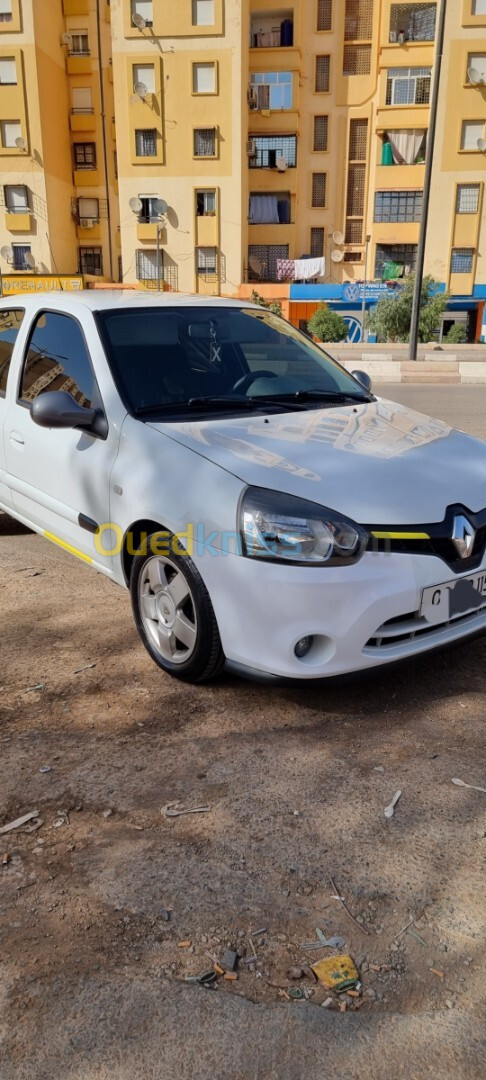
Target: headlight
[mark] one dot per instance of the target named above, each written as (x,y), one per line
(283,528)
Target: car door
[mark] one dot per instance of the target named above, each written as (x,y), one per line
(10,323)
(59,477)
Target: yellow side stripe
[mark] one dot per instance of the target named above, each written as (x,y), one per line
(401,535)
(67,547)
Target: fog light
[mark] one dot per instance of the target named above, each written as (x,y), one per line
(303,647)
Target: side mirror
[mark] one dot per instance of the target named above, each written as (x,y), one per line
(364,379)
(58,409)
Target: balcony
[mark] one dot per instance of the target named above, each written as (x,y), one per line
(272,31)
(86,178)
(147,230)
(270,208)
(82,120)
(412,22)
(92,232)
(18,221)
(79,64)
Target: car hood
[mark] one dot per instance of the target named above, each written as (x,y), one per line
(377,463)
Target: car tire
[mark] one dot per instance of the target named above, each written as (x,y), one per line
(173,612)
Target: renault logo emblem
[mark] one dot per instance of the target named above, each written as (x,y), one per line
(463,536)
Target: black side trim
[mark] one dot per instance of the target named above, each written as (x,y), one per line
(88,523)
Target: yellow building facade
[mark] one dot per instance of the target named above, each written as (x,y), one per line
(205,145)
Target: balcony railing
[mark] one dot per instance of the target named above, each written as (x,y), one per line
(278,35)
(412,22)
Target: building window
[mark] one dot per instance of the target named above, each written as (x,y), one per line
(353,257)
(272,89)
(207,262)
(357,60)
(6,11)
(395,260)
(321,131)
(144,8)
(358,20)
(472,133)
(146,142)
(476,68)
(478,7)
(269,149)
(203,12)
(20,253)
(8,71)
(262,261)
(462,260)
(398,205)
(205,142)
(11,131)
(206,203)
(82,99)
(16,198)
(88,211)
(79,45)
(408,86)
(85,155)
(317,243)
(467,201)
(319,189)
(416,22)
(204,78)
(324,14)
(354,231)
(144,75)
(91,261)
(146,265)
(323,74)
(270,208)
(150,211)
(10,323)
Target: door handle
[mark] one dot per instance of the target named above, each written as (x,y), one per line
(16,437)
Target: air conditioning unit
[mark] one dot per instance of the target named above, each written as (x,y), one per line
(252,99)
(87,223)
(251,148)
(67,39)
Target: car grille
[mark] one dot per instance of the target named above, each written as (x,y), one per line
(439,542)
(408,628)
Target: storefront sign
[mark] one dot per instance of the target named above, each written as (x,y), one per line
(38,283)
(354,292)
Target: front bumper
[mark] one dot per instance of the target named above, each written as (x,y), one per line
(263,609)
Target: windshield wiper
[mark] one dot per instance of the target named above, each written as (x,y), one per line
(335,396)
(213,404)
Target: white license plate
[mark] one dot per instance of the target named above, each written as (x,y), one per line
(443,602)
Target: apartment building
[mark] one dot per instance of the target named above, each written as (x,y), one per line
(220,146)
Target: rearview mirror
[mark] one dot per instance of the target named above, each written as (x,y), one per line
(364,379)
(58,409)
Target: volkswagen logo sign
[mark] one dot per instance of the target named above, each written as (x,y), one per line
(463,536)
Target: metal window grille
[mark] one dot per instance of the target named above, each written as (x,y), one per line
(462,260)
(408,86)
(262,261)
(20,251)
(398,205)
(353,257)
(319,189)
(358,140)
(204,142)
(146,142)
(323,74)
(354,232)
(324,14)
(356,190)
(207,263)
(416,21)
(357,60)
(317,243)
(85,155)
(402,254)
(91,261)
(467,201)
(358,20)
(146,263)
(321,131)
(270,147)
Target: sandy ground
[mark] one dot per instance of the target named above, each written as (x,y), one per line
(95,902)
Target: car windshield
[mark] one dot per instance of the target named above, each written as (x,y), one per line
(165,360)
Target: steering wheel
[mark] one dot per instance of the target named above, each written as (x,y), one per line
(245,382)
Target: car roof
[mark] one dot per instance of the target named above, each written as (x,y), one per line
(104,299)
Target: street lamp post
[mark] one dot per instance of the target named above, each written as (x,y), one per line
(363,305)
(429,162)
(159,274)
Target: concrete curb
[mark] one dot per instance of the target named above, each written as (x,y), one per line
(444,372)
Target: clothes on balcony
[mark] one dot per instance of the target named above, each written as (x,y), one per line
(307,269)
(285,270)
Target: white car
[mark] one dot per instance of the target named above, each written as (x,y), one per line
(265,510)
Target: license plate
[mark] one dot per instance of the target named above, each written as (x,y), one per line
(443,602)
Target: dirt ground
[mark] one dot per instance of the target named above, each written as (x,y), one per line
(98,741)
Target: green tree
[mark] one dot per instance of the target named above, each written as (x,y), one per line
(328,325)
(271,305)
(457,335)
(390,320)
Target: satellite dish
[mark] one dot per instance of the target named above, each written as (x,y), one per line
(337,256)
(161,207)
(6,253)
(135,204)
(21,143)
(338,238)
(482,145)
(139,21)
(141,90)
(29,259)
(474,76)
(281,164)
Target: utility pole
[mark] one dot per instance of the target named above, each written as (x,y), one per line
(363,305)
(429,163)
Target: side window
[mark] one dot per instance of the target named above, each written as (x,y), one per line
(57,359)
(10,323)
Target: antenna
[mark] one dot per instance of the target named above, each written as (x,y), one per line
(141,90)
(482,145)
(29,259)
(337,256)
(139,21)
(21,143)
(474,76)
(135,204)
(338,238)
(161,207)
(6,253)
(281,164)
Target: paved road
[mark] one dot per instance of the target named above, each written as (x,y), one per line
(462,406)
